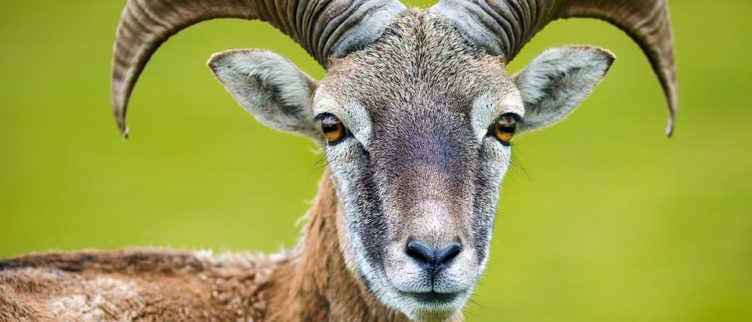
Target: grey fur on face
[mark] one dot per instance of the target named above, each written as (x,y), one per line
(421,164)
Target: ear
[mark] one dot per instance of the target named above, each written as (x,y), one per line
(270,87)
(558,80)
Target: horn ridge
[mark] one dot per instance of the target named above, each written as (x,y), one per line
(647,22)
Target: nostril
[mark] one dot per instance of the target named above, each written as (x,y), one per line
(429,256)
(448,252)
(420,252)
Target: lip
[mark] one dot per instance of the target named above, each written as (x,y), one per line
(433,297)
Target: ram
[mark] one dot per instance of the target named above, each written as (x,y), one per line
(414,117)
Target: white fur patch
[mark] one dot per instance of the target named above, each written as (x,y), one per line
(88,307)
(244,260)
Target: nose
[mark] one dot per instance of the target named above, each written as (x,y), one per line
(433,259)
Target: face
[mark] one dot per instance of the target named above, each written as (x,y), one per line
(418,158)
(415,129)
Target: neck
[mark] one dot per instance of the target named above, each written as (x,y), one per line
(315,283)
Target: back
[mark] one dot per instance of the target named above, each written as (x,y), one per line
(134,284)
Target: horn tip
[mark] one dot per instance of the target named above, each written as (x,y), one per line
(673,108)
(122,127)
(670,128)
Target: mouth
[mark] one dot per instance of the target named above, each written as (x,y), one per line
(433,298)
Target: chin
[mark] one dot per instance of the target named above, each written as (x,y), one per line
(429,306)
(434,313)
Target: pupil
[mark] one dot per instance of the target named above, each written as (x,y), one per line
(332,128)
(330,124)
(507,124)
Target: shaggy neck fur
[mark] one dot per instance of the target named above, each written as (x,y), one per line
(315,284)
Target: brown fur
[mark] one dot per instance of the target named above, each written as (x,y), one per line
(134,285)
(309,283)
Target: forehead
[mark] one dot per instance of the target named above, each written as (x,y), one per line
(420,67)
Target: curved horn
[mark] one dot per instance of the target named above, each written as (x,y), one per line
(503,27)
(325,28)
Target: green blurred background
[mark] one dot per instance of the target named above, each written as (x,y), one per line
(602,218)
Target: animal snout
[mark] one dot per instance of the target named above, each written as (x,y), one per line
(433,259)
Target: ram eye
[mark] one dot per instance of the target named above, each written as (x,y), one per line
(505,127)
(333,129)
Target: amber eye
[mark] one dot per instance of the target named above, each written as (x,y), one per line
(333,129)
(505,127)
